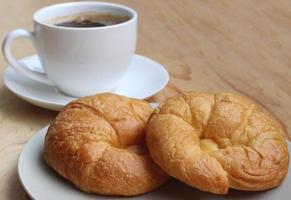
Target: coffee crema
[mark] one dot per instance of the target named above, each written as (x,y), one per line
(88,20)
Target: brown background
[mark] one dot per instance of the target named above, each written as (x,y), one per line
(235,46)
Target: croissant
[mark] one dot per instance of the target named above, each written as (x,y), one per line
(98,144)
(214,142)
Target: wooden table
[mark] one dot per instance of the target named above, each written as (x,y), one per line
(236,46)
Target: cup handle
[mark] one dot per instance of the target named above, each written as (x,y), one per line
(6,49)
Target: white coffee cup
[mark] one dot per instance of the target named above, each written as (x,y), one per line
(79,61)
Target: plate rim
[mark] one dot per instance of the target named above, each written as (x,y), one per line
(21,157)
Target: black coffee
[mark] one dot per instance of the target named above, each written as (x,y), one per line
(81,24)
(87,20)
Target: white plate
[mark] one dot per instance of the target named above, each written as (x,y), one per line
(143,79)
(42,183)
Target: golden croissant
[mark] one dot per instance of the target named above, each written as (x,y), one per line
(98,144)
(214,142)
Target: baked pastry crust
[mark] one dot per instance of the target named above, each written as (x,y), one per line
(214,142)
(98,144)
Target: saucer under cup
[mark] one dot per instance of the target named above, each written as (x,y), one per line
(143,79)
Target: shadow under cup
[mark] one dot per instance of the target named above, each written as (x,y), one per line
(85,61)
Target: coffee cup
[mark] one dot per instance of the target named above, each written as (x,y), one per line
(79,60)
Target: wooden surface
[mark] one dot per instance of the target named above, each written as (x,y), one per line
(236,46)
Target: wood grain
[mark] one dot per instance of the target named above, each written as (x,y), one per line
(239,46)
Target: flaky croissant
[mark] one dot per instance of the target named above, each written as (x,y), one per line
(98,144)
(214,142)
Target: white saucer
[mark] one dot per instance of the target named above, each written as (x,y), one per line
(42,183)
(143,79)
